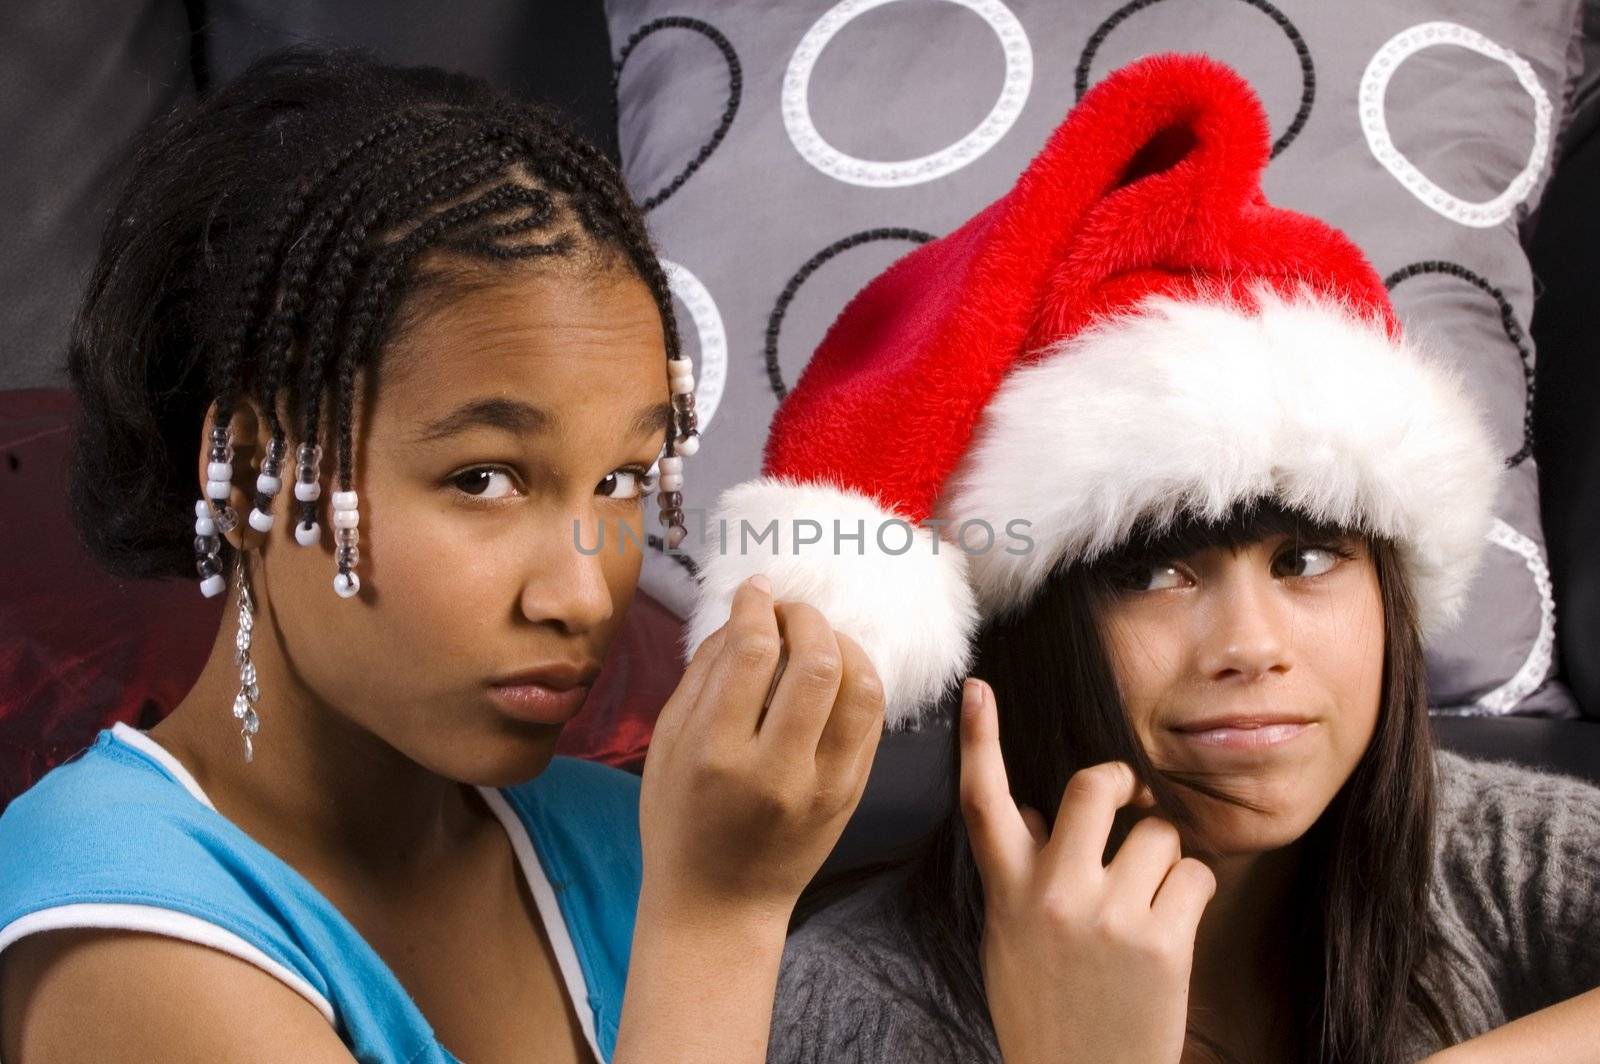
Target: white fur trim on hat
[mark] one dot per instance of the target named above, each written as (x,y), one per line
(912,612)
(1192,407)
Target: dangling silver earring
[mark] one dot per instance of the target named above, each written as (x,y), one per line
(244,703)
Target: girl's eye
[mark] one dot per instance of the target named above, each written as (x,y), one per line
(621,484)
(1158,577)
(1308,561)
(484,482)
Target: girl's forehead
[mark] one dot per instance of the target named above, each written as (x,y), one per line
(518,326)
(525,362)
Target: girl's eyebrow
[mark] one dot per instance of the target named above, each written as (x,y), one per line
(508,415)
(653,419)
(521,418)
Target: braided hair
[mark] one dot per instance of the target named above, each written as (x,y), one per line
(264,245)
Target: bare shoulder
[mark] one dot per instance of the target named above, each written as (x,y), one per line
(90,995)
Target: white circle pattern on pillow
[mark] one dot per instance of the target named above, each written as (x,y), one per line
(1375,123)
(847,168)
(1536,667)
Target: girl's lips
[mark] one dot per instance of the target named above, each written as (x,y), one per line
(539,704)
(1246,735)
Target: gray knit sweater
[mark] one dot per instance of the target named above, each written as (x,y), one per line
(1515,899)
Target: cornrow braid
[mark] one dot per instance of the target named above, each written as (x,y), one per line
(337,263)
(252,294)
(249,310)
(300,263)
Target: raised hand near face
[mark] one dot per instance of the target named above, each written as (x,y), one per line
(1081,960)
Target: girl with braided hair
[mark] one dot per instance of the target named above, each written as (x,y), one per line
(393,330)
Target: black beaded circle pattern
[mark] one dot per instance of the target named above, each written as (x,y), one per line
(659,544)
(1508,322)
(1308,70)
(781,307)
(731,108)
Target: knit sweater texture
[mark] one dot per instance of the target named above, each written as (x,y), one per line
(1514,901)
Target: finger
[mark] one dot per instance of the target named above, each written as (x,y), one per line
(1149,852)
(1184,895)
(1088,807)
(807,688)
(1036,825)
(1001,843)
(737,685)
(690,687)
(701,664)
(850,737)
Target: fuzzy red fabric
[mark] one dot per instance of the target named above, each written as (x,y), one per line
(1151,186)
(80,651)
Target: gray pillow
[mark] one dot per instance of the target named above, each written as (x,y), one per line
(789,152)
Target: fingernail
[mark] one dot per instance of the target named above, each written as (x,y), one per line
(971,693)
(761,583)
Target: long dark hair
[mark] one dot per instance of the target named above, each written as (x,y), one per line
(1362,883)
(267,242)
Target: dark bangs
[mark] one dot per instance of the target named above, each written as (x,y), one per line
(1250,521)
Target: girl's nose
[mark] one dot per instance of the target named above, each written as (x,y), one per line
(1247,630)
(567,587)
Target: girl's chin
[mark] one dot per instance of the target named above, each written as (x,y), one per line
(503,758)
(1234,831)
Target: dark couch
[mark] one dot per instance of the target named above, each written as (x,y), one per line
(65,140)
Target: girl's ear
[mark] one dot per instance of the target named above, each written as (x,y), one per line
(250,436)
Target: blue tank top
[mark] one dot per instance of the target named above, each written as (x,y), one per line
(124,838)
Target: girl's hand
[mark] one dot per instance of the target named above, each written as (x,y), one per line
(758,759)
(1081,961)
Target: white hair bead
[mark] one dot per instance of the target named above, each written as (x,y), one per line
(308,491)
(689,445)
(344,500)
(672,482)
(346,518)
(205,526)
(261,521)
(671,465)
(346,584)
(219,489)
(681,385)
(267,484)
(212,586)
(219,471)
(307,536)
(679,366)
(202,508)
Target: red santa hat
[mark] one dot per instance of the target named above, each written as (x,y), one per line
(1131,333)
